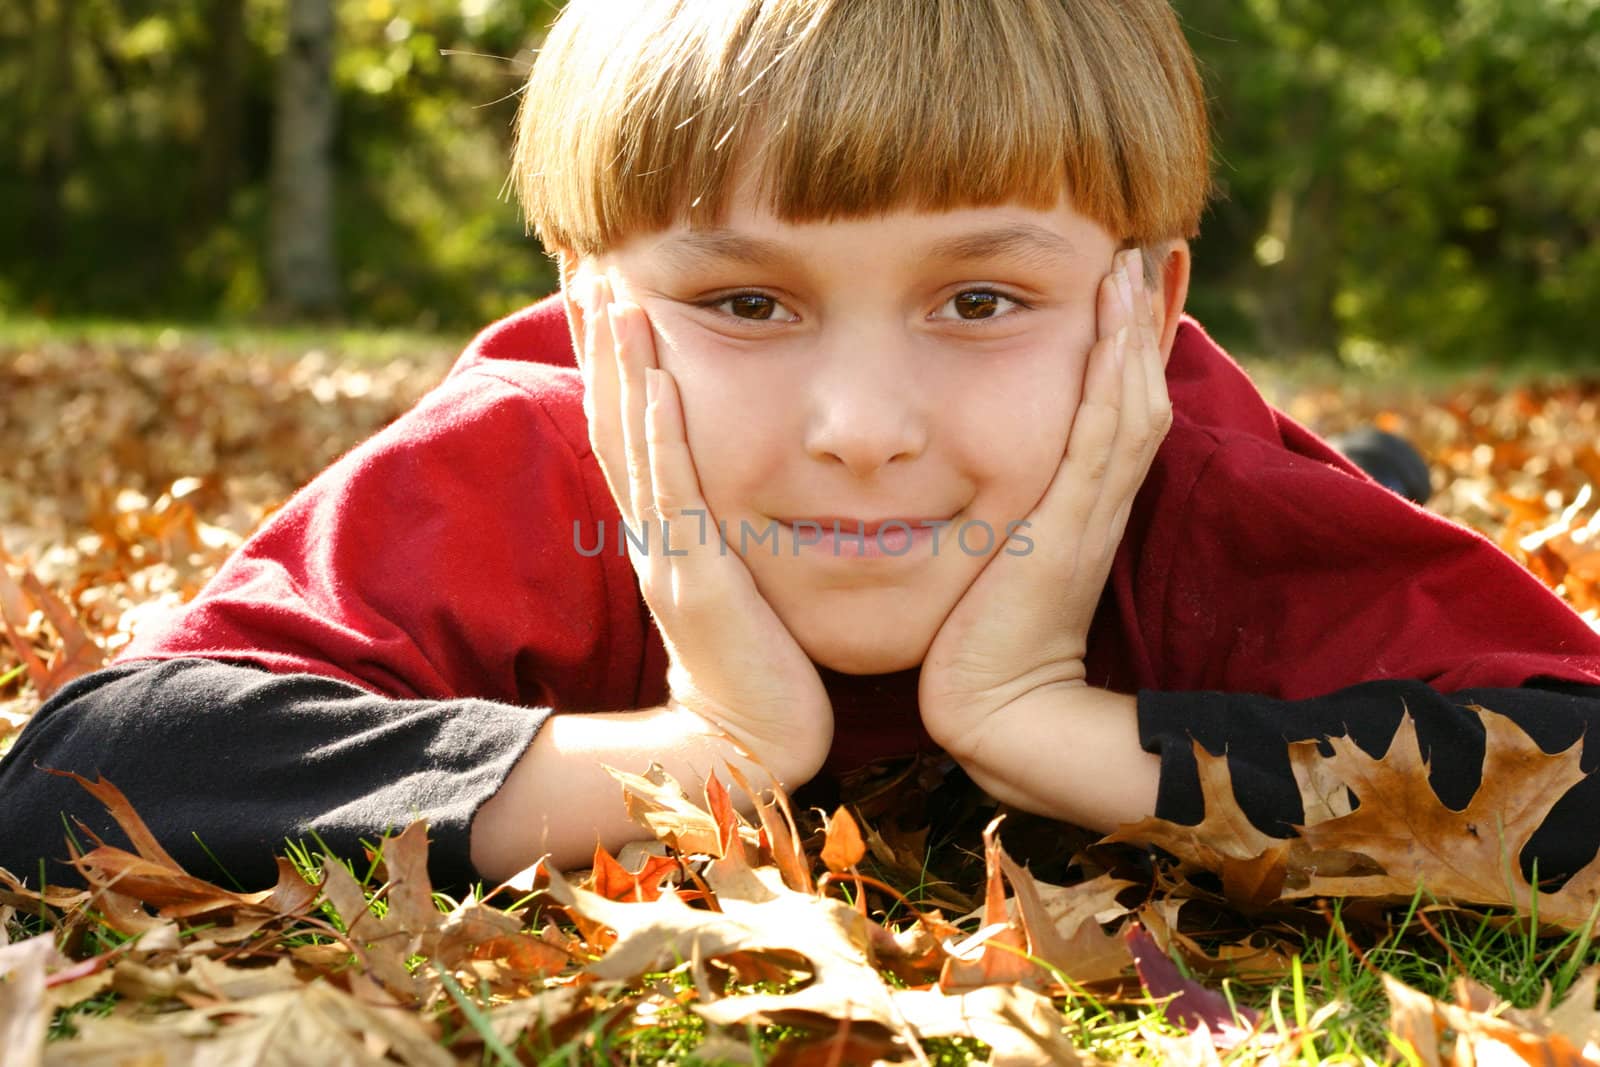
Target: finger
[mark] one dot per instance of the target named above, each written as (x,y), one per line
(1134,426)
(601,405)
(630,361)
(1160,402)
(1157,404)
(676,485)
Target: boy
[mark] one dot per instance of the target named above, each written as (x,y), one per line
(884,390)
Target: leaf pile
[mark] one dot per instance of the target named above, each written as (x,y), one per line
(132,473)
(728,922)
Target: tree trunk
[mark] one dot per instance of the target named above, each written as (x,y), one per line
(303,277)
(224,97)
(54,33)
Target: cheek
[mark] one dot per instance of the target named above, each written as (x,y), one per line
(729,421)
(1020,432)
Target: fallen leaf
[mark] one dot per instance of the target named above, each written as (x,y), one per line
(314,1025)
(827,933)
(1468,856)
(24,1005)
(1021,1026)
(843,847)
(1192,1005)
(1253,864)
(615,882)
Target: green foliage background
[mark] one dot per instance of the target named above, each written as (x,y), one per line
(1401,179)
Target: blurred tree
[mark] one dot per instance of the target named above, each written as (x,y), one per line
(1403,179)
(222,97)
(304,279)
(136,147)
(1400,178)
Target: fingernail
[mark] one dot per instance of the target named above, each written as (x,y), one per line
(1125,284)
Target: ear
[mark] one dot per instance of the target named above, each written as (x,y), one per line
(1173,284)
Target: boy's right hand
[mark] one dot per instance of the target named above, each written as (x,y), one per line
(732,661)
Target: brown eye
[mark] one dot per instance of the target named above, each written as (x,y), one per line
(751,306)
(981,305)
(977,305)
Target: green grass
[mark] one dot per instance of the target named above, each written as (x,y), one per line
(1333,999)
(360,344)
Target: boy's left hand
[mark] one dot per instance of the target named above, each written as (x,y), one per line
(1023,624)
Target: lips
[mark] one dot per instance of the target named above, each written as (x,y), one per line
(867,527)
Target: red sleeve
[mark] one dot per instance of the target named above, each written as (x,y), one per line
(437,560)
(1291,577)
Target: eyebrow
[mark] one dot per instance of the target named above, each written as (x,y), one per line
(1025,241)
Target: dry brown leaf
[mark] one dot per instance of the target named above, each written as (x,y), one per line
(24,1004)
(827,933)
(658,803)
(997,953)
(1021,1027)
(1468,856)
(1253,864)
(314,1025)
(1479,1029)
(383,947)
(780,834)
(1062,924)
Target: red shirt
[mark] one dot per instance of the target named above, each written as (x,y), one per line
(437,560)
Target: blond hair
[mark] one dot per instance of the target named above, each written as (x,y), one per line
(637,112)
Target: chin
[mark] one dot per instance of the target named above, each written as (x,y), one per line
(860,657)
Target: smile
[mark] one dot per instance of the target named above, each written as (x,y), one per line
(847,537)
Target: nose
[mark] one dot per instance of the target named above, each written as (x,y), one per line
(867,405)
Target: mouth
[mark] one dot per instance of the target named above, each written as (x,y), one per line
(866,527)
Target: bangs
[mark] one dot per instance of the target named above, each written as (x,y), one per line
(843,108)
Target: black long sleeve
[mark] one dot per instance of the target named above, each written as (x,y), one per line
(241,759)
(238,759)
(1254,732)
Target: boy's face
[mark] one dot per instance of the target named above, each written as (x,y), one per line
(921,366)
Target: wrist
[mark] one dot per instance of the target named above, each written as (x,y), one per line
(1068,751)
(783,755)
(964,724)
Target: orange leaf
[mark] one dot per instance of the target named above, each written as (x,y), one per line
(844,847)
(615,882)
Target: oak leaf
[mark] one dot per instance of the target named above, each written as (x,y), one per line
(1468,856)
(1253,864)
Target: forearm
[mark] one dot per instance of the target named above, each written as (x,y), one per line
(1069,752)
(560,801)
(230,761)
